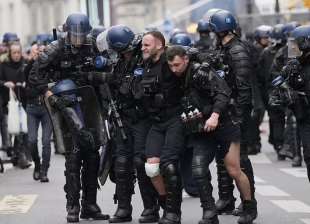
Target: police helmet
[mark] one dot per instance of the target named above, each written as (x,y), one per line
(209,13)
(278,32)
(77,26)
(182,39)
(203,26)
(289,27)
(9,37)
(302,36)
(120,38)
(262,31)
(222,21)
(63,86)
(44,39)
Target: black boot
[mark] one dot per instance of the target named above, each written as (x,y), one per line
(22,161)
(73,213)
(73,186)
(43,174)
(296,161)
(148,193)
(90,209)
(249,213)
(278,148)
(36,171)
(226,201)
(207,201)
(36,159)
(286,152)
(124,190)
(238,211)
(172,178)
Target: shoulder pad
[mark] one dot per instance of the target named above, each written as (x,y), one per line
(238,48)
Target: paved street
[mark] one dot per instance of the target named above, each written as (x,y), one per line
(282,194)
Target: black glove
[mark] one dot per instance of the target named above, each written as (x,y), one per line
(61,102)
(292,67)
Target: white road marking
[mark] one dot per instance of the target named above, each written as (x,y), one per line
(18,204)
(269,190)
(306,221)
(292,206)
(260,158)
(259,180)
(296,172)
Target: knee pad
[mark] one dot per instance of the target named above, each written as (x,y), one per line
(152,169)
(139,162)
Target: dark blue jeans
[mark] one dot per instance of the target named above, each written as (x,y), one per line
(37,114)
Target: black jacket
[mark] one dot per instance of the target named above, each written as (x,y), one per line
(166,101)
(240,75)
(59,61)
(12,71)
(209,92)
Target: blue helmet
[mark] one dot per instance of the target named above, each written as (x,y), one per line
(9,37)
(302,36)
(77,26)
(262,31)
(120,37)
(44,39)
(222,21)
(278,32)
(182,39)
(289,27)
(203,26)
(63,86)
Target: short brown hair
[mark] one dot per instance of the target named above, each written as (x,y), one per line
(158,35)
(175,50)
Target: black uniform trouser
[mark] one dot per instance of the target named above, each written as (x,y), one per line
(130,155)
(304,128)
(166,141)
(277,126)
(86,180)
(204,149)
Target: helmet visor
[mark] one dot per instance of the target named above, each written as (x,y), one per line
(293,49)
(77,34)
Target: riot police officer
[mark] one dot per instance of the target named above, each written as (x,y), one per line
(261,36)
(63,62)
(291,147)
(208,124)
(182,39)
(205,42)
(293,85)
(130,152)
(238,77)
(276,116)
